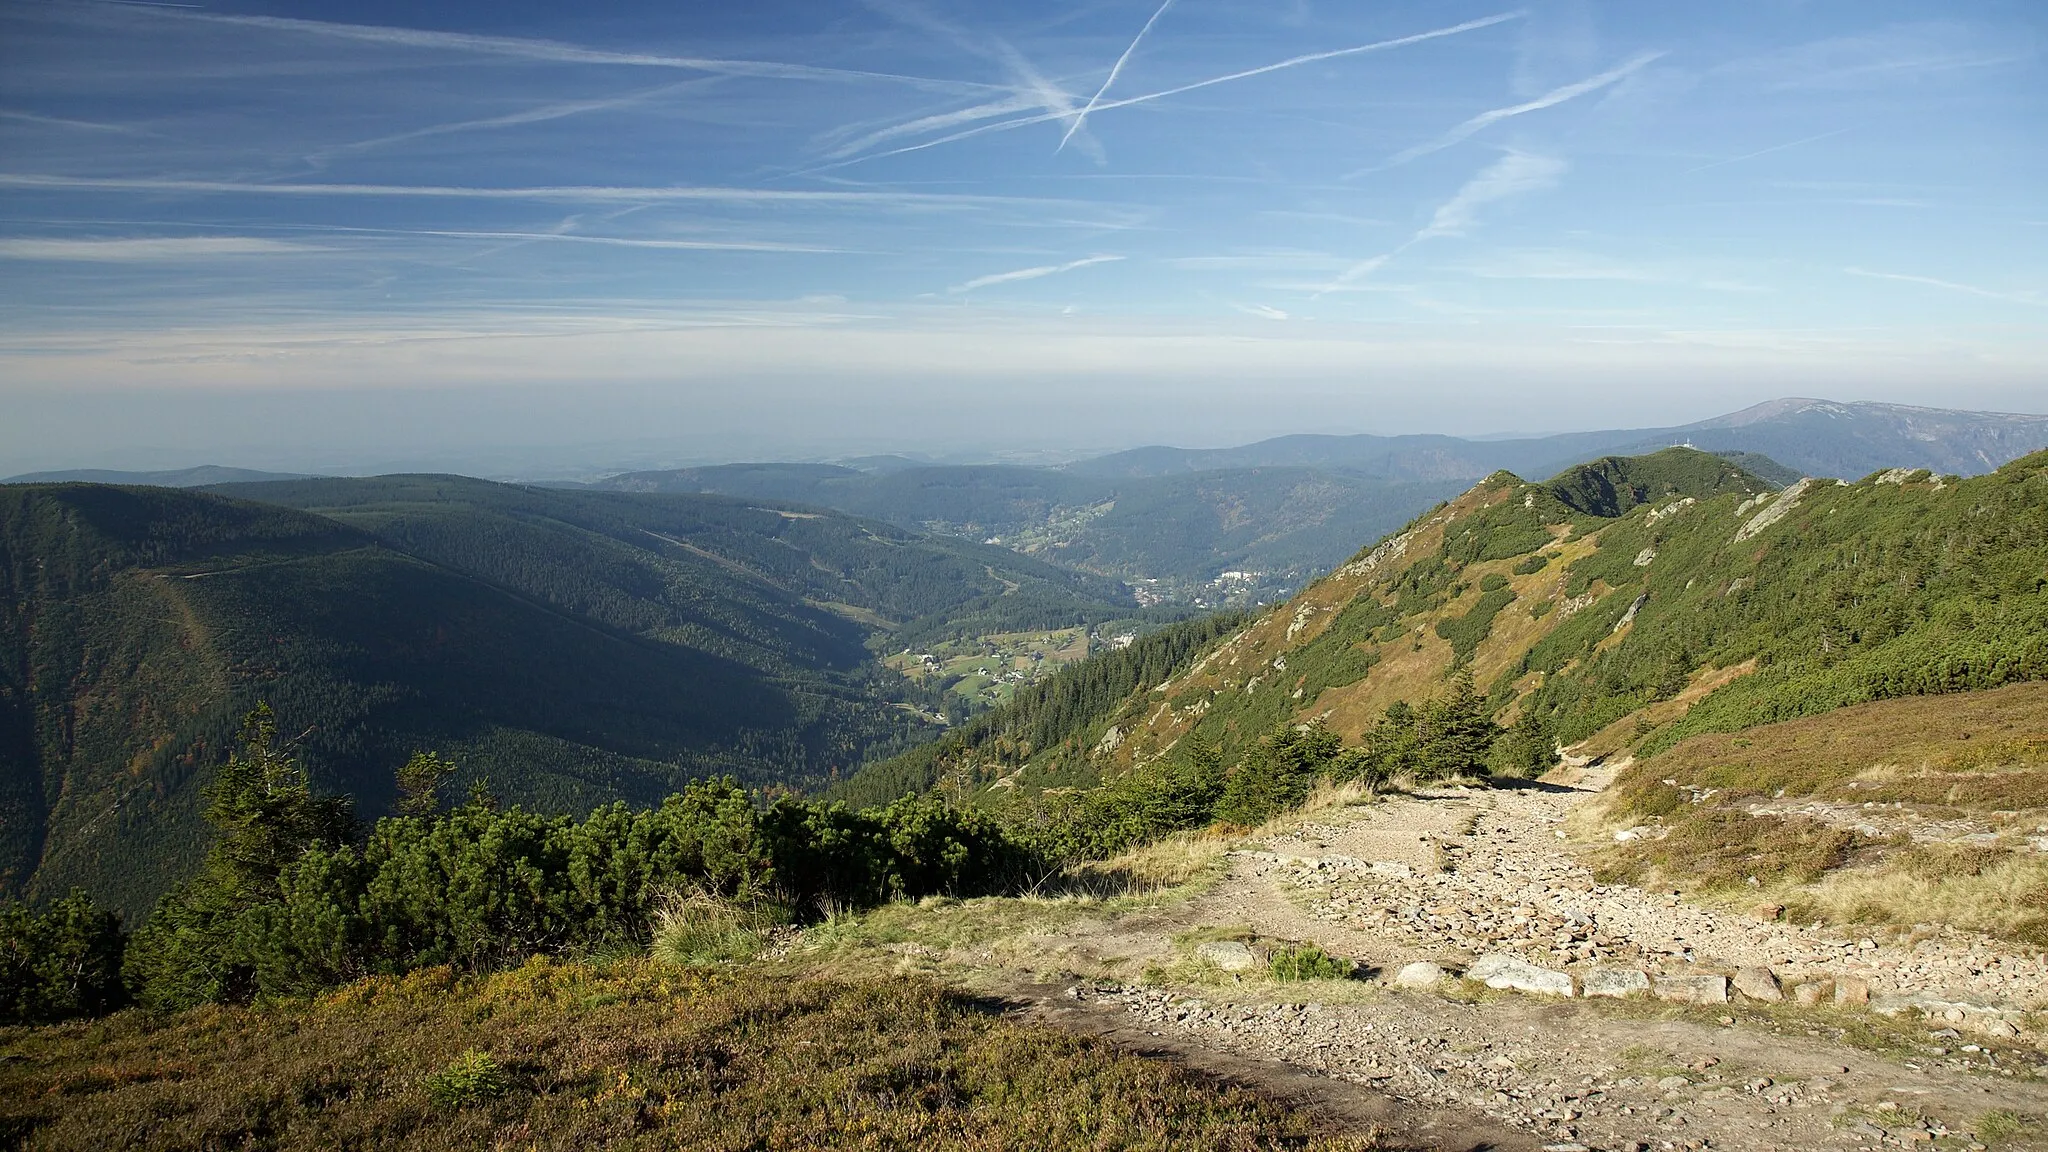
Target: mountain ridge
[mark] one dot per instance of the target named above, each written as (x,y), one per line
(1886,436)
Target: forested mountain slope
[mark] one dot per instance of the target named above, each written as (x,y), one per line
(653,563)
(574,648)
(1626,603)
(1288,524)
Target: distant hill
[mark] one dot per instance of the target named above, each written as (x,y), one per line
(1286,524)
(1811,437)
(1286,509)
(199,477)
(1627,604)
(574,647)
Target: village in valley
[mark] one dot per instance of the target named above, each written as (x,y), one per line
(988,670)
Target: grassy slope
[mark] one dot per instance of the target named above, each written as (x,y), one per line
(1631,602)
(1853,592)
(1823,811)
(629,1055)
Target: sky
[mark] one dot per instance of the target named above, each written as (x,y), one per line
(522,235)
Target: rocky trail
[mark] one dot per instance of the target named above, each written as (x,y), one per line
(1509,1000)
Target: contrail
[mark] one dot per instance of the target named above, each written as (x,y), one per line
(1026,79)
(1549,99)
(932,123)
(1951,286)
(1510,176)
(1763,152)
(1029,273)
(1310,58)
(140,248)
(573,193)
(559,52)
(537,115)
(1111,78)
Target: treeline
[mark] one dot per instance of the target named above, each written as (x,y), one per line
(1050,714)
(294,896)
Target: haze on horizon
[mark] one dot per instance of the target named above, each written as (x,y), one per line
(293,235)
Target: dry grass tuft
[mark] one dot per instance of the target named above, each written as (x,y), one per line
(1173,862)
(693,929)
(1992,891)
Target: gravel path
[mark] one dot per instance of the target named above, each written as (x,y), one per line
(1450,877)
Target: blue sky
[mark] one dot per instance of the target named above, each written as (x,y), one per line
(372,230)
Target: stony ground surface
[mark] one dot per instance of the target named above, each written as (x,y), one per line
(1456,877)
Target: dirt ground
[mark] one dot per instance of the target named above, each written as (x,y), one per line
(1450,877)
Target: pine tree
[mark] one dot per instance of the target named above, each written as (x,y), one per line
(203,943)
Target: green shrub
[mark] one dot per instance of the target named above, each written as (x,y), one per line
(1523,751)
(287,905)
(1465,632)
(1277,774)
(1308,962)
(62,962)
(471,1078)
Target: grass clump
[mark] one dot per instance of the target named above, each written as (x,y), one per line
(1308,962)
(700,929)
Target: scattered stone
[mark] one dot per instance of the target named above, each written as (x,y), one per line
(1691,989)
(1421,974)
(1615,982)
(1852,990)
(1500,971)
(1760,984)
(1229,955)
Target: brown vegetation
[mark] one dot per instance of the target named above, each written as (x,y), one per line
(1900,812)
(634,1054)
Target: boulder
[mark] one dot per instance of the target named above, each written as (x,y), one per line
(1614,982)
(1973,1012)
(1499,971)
(1421,974)
(1759,983)
(1852,990)
(1229,955)
(1691,989)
